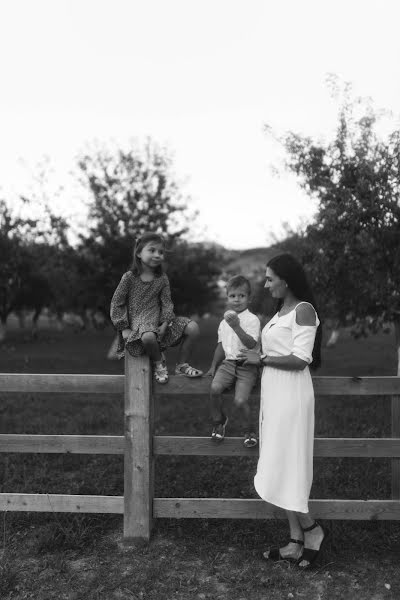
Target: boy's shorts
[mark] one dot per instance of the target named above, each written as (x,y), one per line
(230,372)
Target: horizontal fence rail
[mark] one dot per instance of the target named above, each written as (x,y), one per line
(70,383)
(114,384)
(140,446)
(166,445)
(206,508)
(237,508)
(61,503)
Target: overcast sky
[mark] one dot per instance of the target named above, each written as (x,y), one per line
(202,77)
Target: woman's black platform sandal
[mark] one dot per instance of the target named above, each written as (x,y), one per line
(310,555)
(274,553)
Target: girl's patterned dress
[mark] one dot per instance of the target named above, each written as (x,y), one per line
(142,306)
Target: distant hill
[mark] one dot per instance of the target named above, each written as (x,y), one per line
(250,263)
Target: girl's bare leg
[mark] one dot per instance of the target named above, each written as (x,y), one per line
(150,344)
(190,334)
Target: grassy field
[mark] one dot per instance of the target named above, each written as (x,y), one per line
(46,556)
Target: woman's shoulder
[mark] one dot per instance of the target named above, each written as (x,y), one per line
(305,314)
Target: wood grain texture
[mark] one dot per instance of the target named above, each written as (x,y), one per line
(203,446)
(62,444)
(114,384)
(324,386)
(41,383)
(228,508)
(138,466)
(61,503)
(396,433)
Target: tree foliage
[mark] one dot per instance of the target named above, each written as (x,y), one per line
(133,191)
(352,247)
(130,191)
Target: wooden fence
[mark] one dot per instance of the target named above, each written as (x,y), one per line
(139,447)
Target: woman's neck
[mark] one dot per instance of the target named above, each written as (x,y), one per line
(288,303)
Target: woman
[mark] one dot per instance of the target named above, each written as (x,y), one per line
(291,340)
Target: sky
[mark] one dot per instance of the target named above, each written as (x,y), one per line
(202,78)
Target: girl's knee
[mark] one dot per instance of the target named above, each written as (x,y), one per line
(240,402)
(149,338)
(192,329)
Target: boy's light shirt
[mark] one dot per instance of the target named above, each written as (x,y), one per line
(231,343)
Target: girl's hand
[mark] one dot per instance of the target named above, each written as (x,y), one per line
(126,333)
(251,357)
(162,330)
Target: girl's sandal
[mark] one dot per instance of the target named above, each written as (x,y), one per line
(188,371)
(274,553)
(161,374)
(310,555)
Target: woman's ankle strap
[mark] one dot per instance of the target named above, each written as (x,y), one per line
(313,526)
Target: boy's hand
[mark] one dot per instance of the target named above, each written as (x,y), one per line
(231,318)
(126,333)
(211,371)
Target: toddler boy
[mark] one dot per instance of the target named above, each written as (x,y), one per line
(238,328)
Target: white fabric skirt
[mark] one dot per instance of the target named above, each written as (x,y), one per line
(285,466)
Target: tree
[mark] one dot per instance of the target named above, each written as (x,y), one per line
(352,247)
(37,266)
(193,271)
(131,191)
(15,266)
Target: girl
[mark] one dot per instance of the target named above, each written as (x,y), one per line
(291,341)
(143,313)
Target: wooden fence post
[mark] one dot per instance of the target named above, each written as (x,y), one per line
(138,455)
(396,461)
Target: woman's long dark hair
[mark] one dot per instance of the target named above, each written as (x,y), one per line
(286,267)
(146,238)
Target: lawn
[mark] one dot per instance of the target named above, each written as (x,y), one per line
(48,556)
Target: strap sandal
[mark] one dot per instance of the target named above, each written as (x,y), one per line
(250,439)
(188,371)
(218,432)
(274,553)
(161,374)
(310,555)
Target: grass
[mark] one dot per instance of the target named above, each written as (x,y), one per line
(80,556)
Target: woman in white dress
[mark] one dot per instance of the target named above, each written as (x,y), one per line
(291,341)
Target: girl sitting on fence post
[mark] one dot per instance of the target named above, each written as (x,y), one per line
(143,313)
(291,340)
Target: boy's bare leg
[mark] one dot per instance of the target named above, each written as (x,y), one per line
(216,404)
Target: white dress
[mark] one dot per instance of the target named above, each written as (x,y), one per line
(285,466)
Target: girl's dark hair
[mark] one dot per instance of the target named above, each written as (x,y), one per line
(286,267)
(146,238)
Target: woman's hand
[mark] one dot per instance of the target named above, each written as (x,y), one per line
(251,357)
(126,333)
